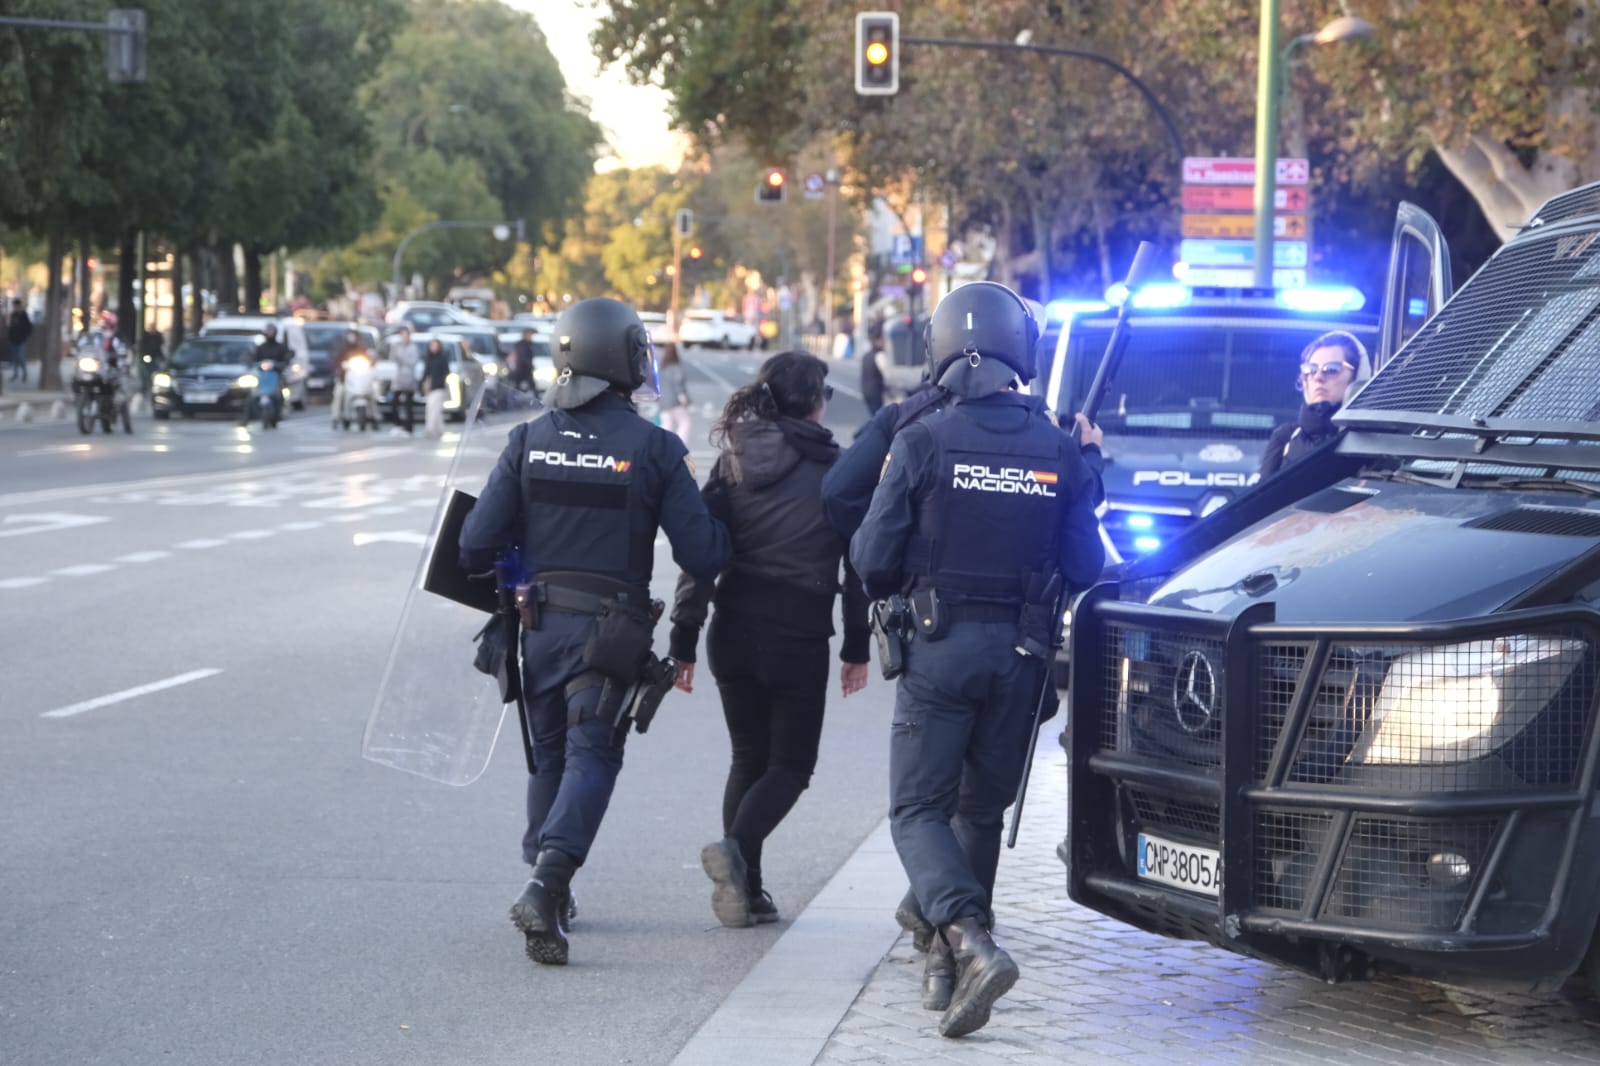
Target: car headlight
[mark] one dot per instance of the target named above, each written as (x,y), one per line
(544,374)
(88,365)
(162,380)
(1460,702)
(247,381)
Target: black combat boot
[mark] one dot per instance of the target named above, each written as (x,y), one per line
(909,915)
(985,973)
(938,976)
(539,910)
(730,899)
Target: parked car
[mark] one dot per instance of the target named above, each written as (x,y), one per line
(426,314)
(655,323)
(466,376)
(491,355)
(291,331)
(208,374)
(716,329)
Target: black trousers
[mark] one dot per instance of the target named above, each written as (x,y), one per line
(403,415)
(774,688)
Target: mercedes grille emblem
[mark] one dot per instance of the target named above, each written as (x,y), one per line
(1194,693)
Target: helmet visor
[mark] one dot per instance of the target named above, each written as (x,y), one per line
(649,387)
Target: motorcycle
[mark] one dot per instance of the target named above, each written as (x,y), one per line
(360,394)
(98,389)
(267,402)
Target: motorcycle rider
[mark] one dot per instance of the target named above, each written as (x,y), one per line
(576,499)
(349,348)
(274,352)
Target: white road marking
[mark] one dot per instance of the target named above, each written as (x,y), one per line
(143,557)
(714,376)
(20,525)
(130,693)
(252,534)
(84,570)
(388,509)
(57,449)
(846,389)
(299,527)
(200,542)
(22,582)
(362,517)
(361,540)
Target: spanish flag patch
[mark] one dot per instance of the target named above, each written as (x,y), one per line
(1045,477)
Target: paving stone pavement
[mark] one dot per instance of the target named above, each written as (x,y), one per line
(1096,991)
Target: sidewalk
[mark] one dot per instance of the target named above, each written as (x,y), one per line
(39,401)
(843,985)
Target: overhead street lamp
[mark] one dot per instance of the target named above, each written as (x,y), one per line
(500,230)
(1271,82)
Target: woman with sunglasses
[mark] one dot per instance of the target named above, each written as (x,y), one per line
(768,639)
(1329,367)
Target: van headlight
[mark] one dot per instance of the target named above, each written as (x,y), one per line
(1460,702)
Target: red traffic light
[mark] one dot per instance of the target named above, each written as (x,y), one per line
(771,189)
(695,253)
(918,276)
(775,178)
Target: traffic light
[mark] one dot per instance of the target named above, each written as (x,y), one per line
(919,277)
(877,53)
(694,252)
(770,190)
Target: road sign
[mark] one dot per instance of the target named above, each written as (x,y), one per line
(814,186)
(1198,225)
(1203,170)
(1295,199)
(1241,253)
(685,222)
(947,258)
(905,249)
(1241,277)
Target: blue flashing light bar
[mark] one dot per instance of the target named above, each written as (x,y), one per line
(1146,544)
(1158,296)
(1061,310)
(1323,298)
(1141,521)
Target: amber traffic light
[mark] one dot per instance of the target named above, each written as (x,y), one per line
(770,189)
(877,53)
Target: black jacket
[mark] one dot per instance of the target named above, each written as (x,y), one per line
(1294,440)
(19,327)
(435,369)
(784,574)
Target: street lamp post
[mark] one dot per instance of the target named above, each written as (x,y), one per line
(1271,81)
(502,230)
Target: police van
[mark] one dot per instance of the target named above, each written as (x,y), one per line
(1207,374)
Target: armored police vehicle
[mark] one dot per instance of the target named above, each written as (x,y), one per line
(1207,374)
(1348,722)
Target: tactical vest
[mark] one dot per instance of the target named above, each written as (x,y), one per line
(590,503)
(994,515)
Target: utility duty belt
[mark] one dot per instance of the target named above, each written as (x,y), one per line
(579,593)
(929,613)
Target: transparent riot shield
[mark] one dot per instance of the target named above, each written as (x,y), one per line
(437,714)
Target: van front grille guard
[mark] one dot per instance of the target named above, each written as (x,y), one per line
(1351,816)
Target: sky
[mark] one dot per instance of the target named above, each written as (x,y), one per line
(634,117)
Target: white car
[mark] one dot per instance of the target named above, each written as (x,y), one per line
(715,328)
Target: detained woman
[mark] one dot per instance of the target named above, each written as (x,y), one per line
(767,644)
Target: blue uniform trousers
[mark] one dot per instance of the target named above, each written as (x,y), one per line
(575,769)
(963,712)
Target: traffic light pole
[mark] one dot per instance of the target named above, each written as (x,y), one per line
(1072,53)
(1266,142)
(677,276)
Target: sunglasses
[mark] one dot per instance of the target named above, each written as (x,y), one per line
(827,392)
(1326,371)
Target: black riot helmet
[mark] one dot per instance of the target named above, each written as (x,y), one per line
(985,319)
(600,344)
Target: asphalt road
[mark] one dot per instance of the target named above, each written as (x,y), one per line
(197,866)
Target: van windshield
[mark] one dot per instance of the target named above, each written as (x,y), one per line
(1192,376)
(191,354)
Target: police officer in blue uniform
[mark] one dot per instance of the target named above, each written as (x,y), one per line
(577,497)
(984,513)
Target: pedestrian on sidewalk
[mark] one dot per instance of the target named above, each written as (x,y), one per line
(435,375)
(871,372)
(768,640)
(403,390)
(985,510)
(676,412)
(19,327)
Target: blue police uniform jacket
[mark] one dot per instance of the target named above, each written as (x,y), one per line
(848,484)
(976,499)
(586,490)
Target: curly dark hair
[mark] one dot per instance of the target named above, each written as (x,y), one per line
(787,385)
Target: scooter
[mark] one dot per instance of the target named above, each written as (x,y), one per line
(98,389)
(360,394)
(267,401)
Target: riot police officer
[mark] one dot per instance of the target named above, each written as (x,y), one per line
(578,495)
(984,512)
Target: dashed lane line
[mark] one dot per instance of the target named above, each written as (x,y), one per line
(22,582)
(200,544)
(83,570)
(143,557)
(252,534)
(131,693)
(299,527)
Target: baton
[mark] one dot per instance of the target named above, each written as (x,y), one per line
(508,618)
(1104,375)
(1111,361)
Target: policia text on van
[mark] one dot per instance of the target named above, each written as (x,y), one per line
(1348,723)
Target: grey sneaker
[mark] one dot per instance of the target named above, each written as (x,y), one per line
(762,910)
(730,899)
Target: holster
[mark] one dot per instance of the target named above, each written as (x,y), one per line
(1039,624)
(890,622)
(619,642)
(659,674)
(494,655)
(928,615)
(527,599)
